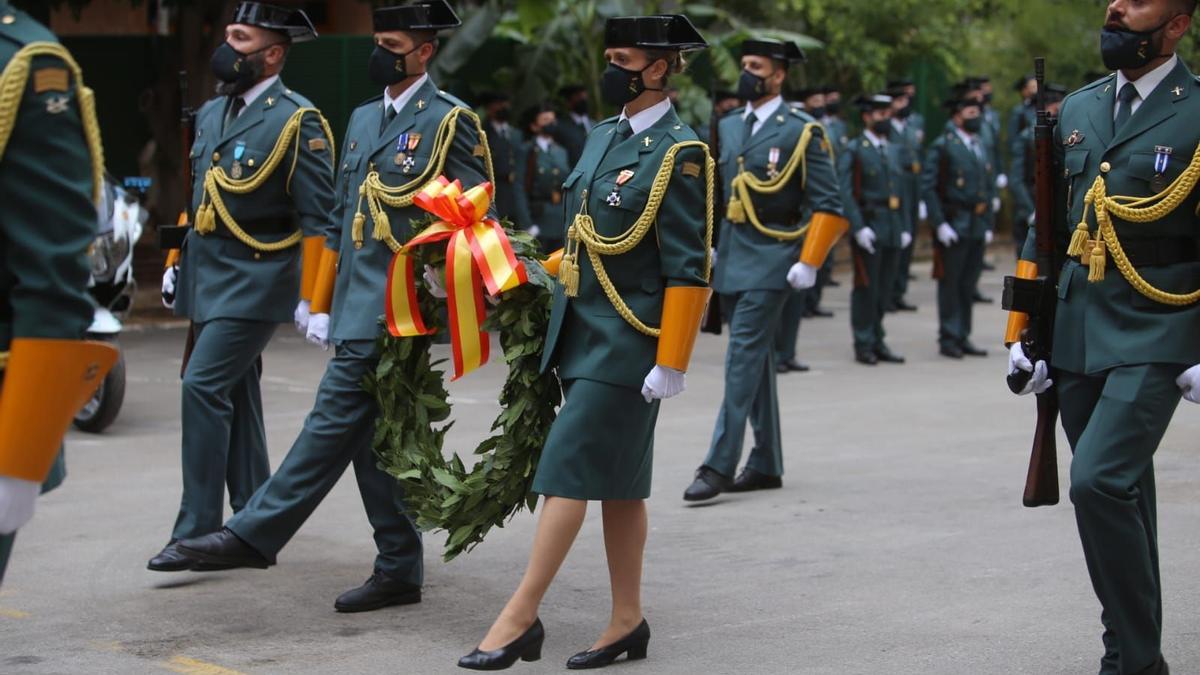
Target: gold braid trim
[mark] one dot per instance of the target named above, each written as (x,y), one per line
(12,87)
(741,206)
(378,195)
(216,181)
(1131,210)
(583,231)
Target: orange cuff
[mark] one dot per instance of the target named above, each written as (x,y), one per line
(310,265)
(1017,321)
(322,292)
(552,263)
(45,383)
(683,311)
(823,233)
(173,254)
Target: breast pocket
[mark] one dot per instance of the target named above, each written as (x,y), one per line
(1074,164)
(397,171)
(1144,167)
(346,172)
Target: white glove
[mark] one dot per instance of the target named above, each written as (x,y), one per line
(947,235)
(989,237)
(713,256)
(170,276)
(1040,382)
(663,382)
(905,239)
(433,283)
(922,211)
(1189,382)
(17,499)
(802,276)
(1032,220)
(534,231)
(995,205)
(1001,181)
(318,330)
(866,239)
(300,316)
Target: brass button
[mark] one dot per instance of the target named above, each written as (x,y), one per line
(216,157)
(258,256)
(250,162)
(1105,167)
(8,19)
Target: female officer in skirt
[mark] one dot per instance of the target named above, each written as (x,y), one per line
(633,286)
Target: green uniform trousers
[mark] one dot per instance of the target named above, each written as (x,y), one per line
(338,431)
(813,296)
(874,280)
(224,442)
(750,387)
(789,326)
(962,265)
(1114,422)
(903,270)
(6,545)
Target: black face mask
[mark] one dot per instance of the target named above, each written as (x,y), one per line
(818,112)
(620,85)
(881,127)
(236,71)
(549,129)
(1124,49)
(987,98)
(751,87)
(502,115)
(386,68)
(833,108)
(580,107)
(903,113)
(973,125)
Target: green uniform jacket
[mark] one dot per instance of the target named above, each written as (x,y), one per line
(1020,174)
(954,182)
(747,259)
(870,180)
(1108,324)
(541,174)
(358,300)
(838,131)
(572,136)
(47,218)
(917,121)
(509,196)
(910,166)
(587,338)
(219,276)
(1023,116)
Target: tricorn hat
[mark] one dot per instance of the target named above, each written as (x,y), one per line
(778,50)
(869,102)
(424,15)
(665,31)
(292,23)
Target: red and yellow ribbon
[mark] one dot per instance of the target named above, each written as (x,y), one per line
(478,254)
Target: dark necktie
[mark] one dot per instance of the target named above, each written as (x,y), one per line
(235,108)
(1125,100)
(748,130)
(623,132)
(389,114)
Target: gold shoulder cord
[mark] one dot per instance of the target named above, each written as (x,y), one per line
(741,206)
(378,195)
(216,180)
(1132,210)
(583,231)
(12,87)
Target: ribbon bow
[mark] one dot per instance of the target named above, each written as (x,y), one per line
(478,254)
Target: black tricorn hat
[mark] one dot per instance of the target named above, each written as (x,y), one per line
(900,83)
(293,23)
(868,102)
(957,103)
(778,50)
(424,15)
(1055,93)
(665,31)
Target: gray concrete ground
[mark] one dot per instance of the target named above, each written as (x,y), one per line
(898,545)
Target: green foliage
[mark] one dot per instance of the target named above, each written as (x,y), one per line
(414,415)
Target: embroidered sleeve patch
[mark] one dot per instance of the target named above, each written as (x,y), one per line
(316,144)
(690,169)
(50,79)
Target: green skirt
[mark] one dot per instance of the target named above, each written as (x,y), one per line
(601,446)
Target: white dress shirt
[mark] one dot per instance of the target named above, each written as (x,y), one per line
(647,118)
(257,90)
(1145,84)
(762,113)
(405,96)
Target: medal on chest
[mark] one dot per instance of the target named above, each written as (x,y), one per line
(773,163)
(1162,159)
(614,197)
(235,169)
(406,145)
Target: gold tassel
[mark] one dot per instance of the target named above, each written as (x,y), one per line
(568,275)
(383,225)
(1079,239)
(206,219)
(1096,262)
(735,212)
(356,228)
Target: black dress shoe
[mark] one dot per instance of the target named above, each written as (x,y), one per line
(527,647)
(376,593)
(821,313)
(793,365)
(708,484)
(971,350)
(833,283)
(633,645)
(1159,667)
(750,480)
(904,306)
(950,351)
(865,357)
(170,559)
(886,355)
(224,548)
(981,299)
(782,368)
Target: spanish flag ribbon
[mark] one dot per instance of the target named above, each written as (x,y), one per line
(478,254)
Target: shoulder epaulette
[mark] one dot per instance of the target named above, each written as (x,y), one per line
(452,99)
(373,99)
(740,110)
(798,113)
(295,97)
(23,30)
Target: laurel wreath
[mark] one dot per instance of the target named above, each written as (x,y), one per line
(441,493)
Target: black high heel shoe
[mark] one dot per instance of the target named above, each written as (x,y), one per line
(527,647)
(634,645)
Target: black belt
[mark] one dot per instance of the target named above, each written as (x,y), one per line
(1157,252)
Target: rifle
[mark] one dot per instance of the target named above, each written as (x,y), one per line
(170,238)
(712,317)
(1037,298)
